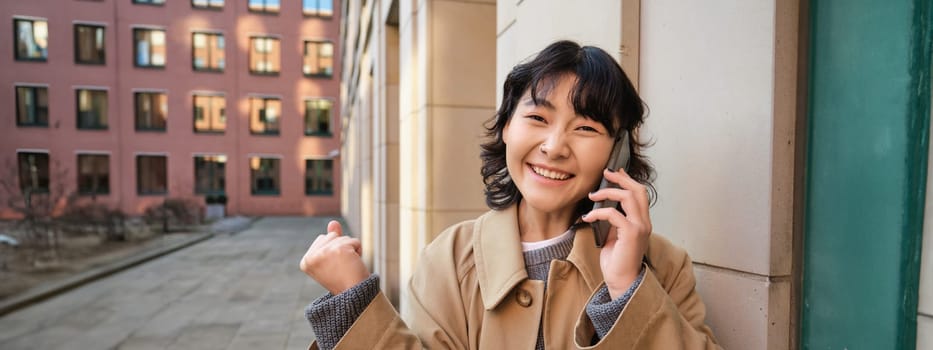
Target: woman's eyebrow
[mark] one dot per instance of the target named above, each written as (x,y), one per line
(541,102)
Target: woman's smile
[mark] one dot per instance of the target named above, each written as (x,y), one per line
(550,173)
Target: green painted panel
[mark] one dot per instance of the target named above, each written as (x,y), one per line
(869,109)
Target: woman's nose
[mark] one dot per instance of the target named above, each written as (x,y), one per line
(555,147)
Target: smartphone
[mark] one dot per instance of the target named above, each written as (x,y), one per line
(617,159)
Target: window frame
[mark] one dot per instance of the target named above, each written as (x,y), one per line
(92,192)
(330,117)
(152,94)
(99,125)
(264,10)
(36,108)
(158,3)
(252,51)
(253,188)
(149,41)
(16,41)
(139,174)
(308,191)
(317,10)
(305,56)
(208,6)
(212,171)
(77,44)
(194,114)
(210,52)
(265,101)
(48,172)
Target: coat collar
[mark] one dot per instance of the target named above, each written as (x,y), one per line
(500,265)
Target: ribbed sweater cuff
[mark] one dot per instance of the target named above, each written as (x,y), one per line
(331,316)
(604,311)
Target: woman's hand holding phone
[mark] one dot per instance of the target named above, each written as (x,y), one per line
(334,260)
(621,257)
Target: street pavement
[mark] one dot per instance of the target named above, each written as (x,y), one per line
(241,291)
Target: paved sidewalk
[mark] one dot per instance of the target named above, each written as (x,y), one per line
(241,291)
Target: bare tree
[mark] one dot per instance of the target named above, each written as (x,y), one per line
(35,189)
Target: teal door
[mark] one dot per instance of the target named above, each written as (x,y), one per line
(868,128)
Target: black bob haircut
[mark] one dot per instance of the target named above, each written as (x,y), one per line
(602,92)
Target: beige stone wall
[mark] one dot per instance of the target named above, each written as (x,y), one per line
(721,89)
(446,91)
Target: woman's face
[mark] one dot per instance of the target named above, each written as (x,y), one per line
(554,156)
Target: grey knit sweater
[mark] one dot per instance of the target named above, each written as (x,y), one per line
(331,316)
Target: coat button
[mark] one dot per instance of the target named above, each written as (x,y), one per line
(523,298)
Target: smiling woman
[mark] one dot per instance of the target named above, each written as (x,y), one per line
(528,274)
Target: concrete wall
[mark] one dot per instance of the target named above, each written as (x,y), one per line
(719,78)
(446,91)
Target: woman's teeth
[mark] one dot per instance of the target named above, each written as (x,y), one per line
(553,175)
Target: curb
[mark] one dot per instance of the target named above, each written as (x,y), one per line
(51,289)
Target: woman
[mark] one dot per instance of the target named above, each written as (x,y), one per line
(527,274)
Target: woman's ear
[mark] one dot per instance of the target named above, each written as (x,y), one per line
(505,132)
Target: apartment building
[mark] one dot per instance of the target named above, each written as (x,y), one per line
(131,102)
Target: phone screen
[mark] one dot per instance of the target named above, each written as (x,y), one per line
(617,159)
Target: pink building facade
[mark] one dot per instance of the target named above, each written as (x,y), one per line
(131,102)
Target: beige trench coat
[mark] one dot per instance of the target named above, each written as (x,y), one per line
(470,291)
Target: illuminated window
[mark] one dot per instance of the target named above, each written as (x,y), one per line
(264,55)
(264,115)
(319,8)
(209,113)
(264,6)
(31,40)
(149,47)
(318,58)
(207,52)
(208,4)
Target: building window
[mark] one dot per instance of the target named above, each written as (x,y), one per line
(209,174)
(149,47)
(151,174)
(210,113)
(264,115)
(89,44)
(317,117)
(319,8)
(93,174)
(264,6)
(32,39)
(319,176)
(33,172)
(318,58)
(264,55)
(208,4)
(150,2)
(151,111)
(264,175)
(32,106)
(92,109)
(207,52)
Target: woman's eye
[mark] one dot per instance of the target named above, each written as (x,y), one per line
(536,118)
(588,129)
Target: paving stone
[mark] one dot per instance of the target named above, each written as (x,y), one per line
(241,291)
